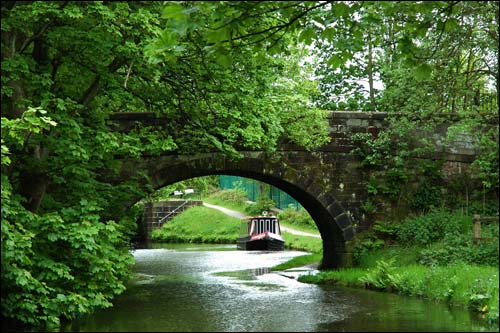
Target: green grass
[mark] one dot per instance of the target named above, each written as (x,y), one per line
(299,261)
(402,256)
(299,227)
(303,243)
(231,199)
(347,277)
(473,286)
(199,225)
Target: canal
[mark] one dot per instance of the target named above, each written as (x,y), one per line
(216,288)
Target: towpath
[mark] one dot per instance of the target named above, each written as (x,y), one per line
(239,215)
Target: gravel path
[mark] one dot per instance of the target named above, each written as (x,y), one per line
(239,215)
(226,211)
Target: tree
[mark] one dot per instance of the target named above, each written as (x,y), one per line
(66,66)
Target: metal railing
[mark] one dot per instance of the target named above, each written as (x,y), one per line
(172,212)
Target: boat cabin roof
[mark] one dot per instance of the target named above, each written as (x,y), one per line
(254,225)
(262,217)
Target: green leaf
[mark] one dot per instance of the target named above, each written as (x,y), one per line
(451,25)
(224,60)
(173,11)
(423,72)
(335,61)
(307,35)
(340,9)
(216,36)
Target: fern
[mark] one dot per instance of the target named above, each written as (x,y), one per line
(382,277)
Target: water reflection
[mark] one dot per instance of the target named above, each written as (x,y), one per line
(260,271)
(203,288)
(378,312)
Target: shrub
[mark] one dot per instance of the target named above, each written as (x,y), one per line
(460,249)
(297,217)
(386,230)
(59,265)
(382,277)
(432,227)
(364,243)
(230,195)
(446,237)
(261,205)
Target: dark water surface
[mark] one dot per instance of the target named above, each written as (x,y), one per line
(216,288)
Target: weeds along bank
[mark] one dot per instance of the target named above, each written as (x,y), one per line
(432,256)
(458,284)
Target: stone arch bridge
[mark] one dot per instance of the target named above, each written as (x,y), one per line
(328,182)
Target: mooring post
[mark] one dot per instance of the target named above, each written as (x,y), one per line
(477,228)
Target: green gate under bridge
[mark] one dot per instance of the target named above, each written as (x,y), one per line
(253,189)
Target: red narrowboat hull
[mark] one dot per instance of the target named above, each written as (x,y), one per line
(262,242)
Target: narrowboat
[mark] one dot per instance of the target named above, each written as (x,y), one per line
(260,233)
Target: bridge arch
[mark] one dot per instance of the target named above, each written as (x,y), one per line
(333,221)
(329,182)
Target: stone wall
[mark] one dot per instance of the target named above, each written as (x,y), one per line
(155,211)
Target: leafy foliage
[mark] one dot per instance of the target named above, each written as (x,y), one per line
(394,176)
(56,265)
(299,217)
(66,66)
(262,204)
(382,277)
(433,227)
(437,238)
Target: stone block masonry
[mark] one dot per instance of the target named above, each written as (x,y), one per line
(158,213)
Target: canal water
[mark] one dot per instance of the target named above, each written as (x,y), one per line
(216,288)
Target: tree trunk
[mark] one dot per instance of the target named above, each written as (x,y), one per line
(370,71)
(33,183)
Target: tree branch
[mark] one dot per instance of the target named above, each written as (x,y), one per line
(92,90)
(276,28)
(40,32)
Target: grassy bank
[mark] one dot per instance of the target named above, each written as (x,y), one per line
(305,260)
(459,284)
(432,256)
(232,199)
(302,243)
(199,225)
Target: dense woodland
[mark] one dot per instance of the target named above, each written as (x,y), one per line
(222,73)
